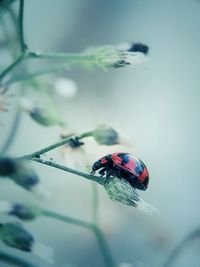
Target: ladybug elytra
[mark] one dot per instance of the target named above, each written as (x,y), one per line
(124,166)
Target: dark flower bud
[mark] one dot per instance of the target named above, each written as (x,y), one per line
(122,191)
(22,211)
(16,236)
(22,174)
(8,166)
(43,117)
(105,135)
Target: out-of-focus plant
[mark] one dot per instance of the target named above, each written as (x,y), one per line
(18,169)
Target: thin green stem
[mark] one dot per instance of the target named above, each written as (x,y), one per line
(109,262)
(72,57)
(11,259)
(104,247)
(97,179)
(10,68)
(67,219)
(12,132)
(179,248)
(21,28)
(65,60)
(56,145)
(95,203)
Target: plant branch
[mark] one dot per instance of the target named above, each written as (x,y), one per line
(12,132)
(10,68)
(176,252)
(56,145)
(109,262)
(95,203)
(67,219)
(21,28)
(5,257)
(99,180)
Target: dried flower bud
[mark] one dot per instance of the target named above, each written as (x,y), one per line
(40,115)
(21,173)
(43,117)
(105,135)
(122,191)
(22,211)
(16,236)
(118,56)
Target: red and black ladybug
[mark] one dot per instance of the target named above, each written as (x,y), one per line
(125,166)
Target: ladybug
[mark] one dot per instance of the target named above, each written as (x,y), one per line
(124,166)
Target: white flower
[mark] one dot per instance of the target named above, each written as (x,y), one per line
(66,87)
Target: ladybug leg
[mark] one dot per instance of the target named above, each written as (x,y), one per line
(102,172)
(109,173)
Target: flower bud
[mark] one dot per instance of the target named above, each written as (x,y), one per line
(43,117)
(40,115)
(122,191)
(8,166)
(105,135)
(22,211)
(110,56)
(21,173)
(16,236)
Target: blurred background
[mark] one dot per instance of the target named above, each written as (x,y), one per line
(154,107)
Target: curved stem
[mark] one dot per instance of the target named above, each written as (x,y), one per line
(21,28)
(104,247)
(95,203)
(66,219)
(12,133)
(18,61)
(176,252)
(5,257)
(109,262)
(97,179)
(51,147)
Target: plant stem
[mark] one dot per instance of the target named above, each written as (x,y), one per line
(12,132)
(104,247)
(10,68)
(176,252)
(5,257)
(51,147)
(21,28)
(67,219)
(95,203)
(99,180)
(109,262)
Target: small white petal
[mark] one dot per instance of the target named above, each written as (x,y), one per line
(135,58)
(5,206)
(41,191)
(26,104)
(146,207)
(43,251)
(66,87)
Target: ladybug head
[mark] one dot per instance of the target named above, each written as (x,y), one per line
(97,165)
